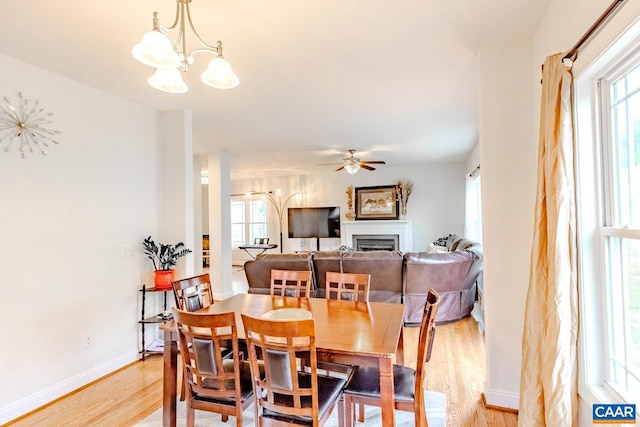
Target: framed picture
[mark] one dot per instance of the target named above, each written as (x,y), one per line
(376,202)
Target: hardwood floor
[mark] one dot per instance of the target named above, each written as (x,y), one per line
(134,392)
(457,368)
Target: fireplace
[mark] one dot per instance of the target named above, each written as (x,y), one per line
(375,242)
(377,234)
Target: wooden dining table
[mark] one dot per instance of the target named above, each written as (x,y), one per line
(353,333)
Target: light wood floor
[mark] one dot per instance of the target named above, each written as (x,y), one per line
(131,394)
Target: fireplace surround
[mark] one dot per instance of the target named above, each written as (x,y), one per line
(377,235)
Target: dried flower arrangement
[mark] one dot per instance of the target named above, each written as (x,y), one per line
(404,188)
(349,192)
(350,214)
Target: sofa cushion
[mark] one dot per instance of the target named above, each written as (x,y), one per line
(385,268)
(258,271)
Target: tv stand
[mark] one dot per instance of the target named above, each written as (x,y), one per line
(305,244)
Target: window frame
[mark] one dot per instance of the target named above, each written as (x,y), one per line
(248,223)
(594,177)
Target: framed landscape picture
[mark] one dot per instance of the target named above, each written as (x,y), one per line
(376,202)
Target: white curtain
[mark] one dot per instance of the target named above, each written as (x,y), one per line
(548,384)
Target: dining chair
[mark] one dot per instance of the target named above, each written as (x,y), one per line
(290,389)
(193,293)
(364,387)
(347,286)
(215,383)
(290,283)
(261,241)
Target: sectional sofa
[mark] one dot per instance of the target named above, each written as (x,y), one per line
(453,268)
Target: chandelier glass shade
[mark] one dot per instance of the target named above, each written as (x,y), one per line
(352,167)
(157,50)
(168,80)
(220,75)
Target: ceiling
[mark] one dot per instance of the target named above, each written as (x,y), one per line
(395,80)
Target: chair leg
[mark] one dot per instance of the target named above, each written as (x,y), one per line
(191,416)
(361,412)
(183,387)
(225,418)
(341,411)
(421,417)
(349,415)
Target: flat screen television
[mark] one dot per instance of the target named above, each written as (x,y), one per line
(314,222)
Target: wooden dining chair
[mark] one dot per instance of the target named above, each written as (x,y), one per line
(215,383)
(290,283)
(347,286)
(193,293)
(289,388)
(364,387)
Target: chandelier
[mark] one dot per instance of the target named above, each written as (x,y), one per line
(157,50)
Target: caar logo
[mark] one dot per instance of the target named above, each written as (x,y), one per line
(606,413)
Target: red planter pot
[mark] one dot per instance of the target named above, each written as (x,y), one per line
(164,278)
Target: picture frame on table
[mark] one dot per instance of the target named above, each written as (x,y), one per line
(378,202)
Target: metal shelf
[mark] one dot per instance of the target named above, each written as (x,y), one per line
(157,319)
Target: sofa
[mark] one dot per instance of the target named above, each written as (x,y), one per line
(452,268)
(453,272)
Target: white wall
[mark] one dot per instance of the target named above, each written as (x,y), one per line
(509,120)
(556,33)
(508,138)
(63,220)
(436,206)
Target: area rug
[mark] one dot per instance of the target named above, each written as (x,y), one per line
(435,404)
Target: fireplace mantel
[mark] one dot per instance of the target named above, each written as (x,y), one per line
(402,228)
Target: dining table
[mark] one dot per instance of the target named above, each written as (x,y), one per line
(349,332)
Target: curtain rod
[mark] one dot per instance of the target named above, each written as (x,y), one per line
(573,53)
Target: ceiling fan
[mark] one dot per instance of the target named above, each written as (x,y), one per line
(352,164)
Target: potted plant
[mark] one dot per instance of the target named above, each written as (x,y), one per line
(164,258)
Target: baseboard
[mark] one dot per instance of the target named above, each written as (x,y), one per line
(48,395)
(502,400)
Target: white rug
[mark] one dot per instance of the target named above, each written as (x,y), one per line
(435,404)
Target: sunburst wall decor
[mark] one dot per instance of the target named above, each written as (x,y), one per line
(27,123)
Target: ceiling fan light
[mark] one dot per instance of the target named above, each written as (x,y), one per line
(168,80)
(220,75)
(352,168)
(155,50)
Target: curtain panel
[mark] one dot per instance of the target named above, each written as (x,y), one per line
(548,383)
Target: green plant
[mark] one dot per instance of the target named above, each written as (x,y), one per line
(164,257)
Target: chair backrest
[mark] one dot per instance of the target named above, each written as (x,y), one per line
(261,241)
(425,345)
(347,286)
(204,339)
(290,283)
(193,293)
(279,352)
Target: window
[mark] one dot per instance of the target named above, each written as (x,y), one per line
(473,208)
(620,106)
(608,163)
(248,220)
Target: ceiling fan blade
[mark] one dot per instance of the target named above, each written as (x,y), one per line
(374,162)
(369,168)
(340,168)
(330,164)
